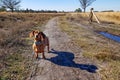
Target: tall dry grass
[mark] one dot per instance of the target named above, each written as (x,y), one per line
(110,17)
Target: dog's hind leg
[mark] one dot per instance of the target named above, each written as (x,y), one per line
(48,45)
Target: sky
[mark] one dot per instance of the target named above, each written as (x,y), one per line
(69,5)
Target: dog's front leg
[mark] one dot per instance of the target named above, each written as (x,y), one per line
(43,56)
(36,55)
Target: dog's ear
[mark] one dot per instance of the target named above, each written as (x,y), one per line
(31,34)
(41,35)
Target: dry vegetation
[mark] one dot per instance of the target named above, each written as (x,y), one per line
(94,46)
(110,21)
(111,17)
(15,44)
(108,17)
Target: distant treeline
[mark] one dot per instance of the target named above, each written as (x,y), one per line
(108,11)
(45,11)
(30,10)
(36,11)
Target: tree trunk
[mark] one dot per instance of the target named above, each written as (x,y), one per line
(12,9)
(84,10)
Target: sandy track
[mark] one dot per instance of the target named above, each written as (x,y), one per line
(62,63)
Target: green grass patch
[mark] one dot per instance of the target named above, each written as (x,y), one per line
(14,67)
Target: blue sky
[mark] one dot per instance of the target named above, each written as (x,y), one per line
(69,5)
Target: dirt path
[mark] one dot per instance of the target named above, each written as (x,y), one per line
(63,63)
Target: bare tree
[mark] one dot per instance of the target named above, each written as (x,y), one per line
(11,4)
(85,3)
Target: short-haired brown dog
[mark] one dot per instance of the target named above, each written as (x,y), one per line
(40,42)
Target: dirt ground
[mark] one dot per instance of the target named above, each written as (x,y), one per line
(77,50)
(65,61)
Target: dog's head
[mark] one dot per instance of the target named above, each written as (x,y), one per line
(37,35)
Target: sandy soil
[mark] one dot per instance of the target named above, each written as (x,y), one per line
(65,61)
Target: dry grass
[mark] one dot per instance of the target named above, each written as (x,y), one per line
(14,43)
(109,17)
(96,48)
(110,21)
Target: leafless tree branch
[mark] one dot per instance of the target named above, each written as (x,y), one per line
(85,3)
(10,4)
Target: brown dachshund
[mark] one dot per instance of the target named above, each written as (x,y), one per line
(40,42)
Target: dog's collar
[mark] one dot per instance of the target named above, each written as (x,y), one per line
(38,42)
